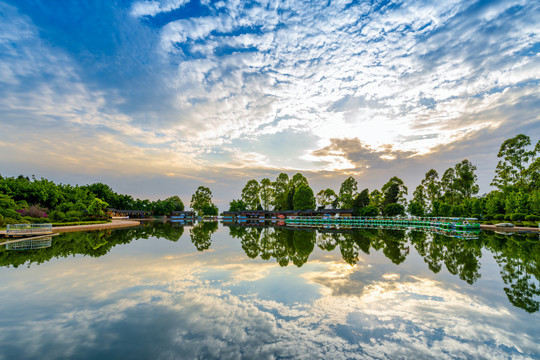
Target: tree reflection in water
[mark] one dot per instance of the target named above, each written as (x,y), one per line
(201,234)
(518,256)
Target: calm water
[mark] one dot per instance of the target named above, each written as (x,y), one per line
(209,291)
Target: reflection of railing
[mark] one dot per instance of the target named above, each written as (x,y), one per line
(28,229)
(29,244)
(447,223)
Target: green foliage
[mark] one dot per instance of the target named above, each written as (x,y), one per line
(532,217)
(415,208)
(394,192)
(394,209)
(201,198)
(8,207)
(281,188)
(74,215)
(237,205)
(360,202)
(370,210)
(517,217)
(167,206)
(326,198)
(98,209)
(303,198)
(510,171)
(266,193)
(250,194)
(210,210)
(347,193)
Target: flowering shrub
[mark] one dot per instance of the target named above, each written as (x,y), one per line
(34,211)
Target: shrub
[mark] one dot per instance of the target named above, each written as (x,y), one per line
(518,217)
(57,216)
(73,215)
(488,217)
(34,211)
(532,218)
(369,210)
(508,217)
(498,217)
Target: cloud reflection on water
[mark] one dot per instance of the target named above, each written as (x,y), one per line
(166,306)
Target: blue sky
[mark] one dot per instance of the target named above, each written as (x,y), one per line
(158,97)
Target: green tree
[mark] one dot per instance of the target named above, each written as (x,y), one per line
(326,198)
(510,171)
(303,198)
(394,209)
(281,187)
(465,180)
(98,209)
(250,194)
(8,207)
(360,202)
(431,189)
(347,193)
(297,180)
(266,193)
(394,191)
(201,198)
(237,205)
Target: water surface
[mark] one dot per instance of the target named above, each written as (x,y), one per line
(211,291)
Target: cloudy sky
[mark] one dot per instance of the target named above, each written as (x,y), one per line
(158,97)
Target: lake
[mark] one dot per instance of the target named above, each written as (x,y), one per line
(211,291)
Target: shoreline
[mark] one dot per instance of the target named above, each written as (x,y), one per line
(510,229)
(114,224)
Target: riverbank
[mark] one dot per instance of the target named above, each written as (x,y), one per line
(510,229)
(115,224)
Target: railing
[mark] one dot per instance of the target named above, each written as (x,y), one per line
(30,244)
(28,229)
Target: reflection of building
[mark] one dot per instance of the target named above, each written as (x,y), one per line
(182,215)
(137,214)
(284,214)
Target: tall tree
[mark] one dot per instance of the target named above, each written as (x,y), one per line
(201,198)
(281,187)
(360,202)
(298,179)
(347,193)
(303,198)
(465,180)
(431,189)
(515,158)
(266,193)
(250,194)
(394,191)
(326,198)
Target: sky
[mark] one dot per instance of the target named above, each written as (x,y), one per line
(156,98)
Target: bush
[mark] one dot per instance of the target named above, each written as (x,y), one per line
(369,210)
(74,215)
(532,218)
(498,217)
(488,217)
(36,220)
(518,217)
(57,216)
(508,217)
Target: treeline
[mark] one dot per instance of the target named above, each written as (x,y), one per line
(517,178)
(24,199)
